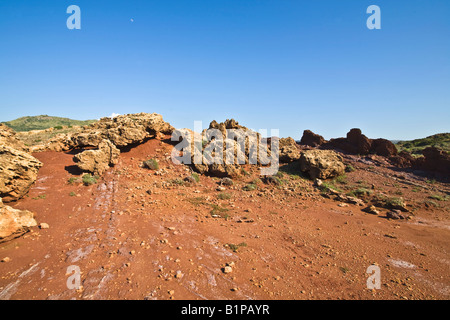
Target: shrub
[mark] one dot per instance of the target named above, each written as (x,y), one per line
(151,164)
(249,187)
(89,179)
(360,192)
(349,168)
(72,194)
(41,196)
(224,196)
(195,176)
(439,197)
(235,247)
(218,211)
(72,180)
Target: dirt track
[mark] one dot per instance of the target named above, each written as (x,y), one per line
(295,244)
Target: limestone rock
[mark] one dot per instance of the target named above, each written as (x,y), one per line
(288,150)
(14,222)
(18,171)
(98,161)
(321,164)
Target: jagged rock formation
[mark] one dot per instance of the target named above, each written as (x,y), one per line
(8,138)
(311,139)
(222,146)
(18,169)
(14,222)
(357,143)
(98,161)
(321,164)
(122,131)
(288,150)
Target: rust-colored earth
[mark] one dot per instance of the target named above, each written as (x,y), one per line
(282,242)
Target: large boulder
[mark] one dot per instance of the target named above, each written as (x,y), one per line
(321,164)
(358,143)
(14,222)
(98,161)
(311,139)
(383,147)
(18,171)
(288,150)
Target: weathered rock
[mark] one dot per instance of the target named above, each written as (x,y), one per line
(98,161)
(383,147)
(396,215)
(18,171)
(402,160)
(358,142)
(372,210)
(14,222)
(226,182)
(288,150)
(435,160)
(311,139)
(8,138)
(210,147)
(321,164)
(272,180)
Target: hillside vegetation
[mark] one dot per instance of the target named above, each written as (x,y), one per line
(441,141)
(44,122)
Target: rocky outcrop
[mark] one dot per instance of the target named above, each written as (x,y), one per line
(321,164)
(402,160)
(357,143)
(122,131)
(288,150)
(206,151)
(311,139)
(8,138)
(435,160)
(383,147)
(98,161)
(18,171)
(14,222)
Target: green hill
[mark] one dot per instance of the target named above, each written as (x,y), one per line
(43,122)
(440,140)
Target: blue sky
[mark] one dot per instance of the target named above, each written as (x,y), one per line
(270,64)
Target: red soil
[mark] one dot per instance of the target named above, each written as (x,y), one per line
(297,244)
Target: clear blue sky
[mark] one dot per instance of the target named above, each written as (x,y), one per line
(283,64)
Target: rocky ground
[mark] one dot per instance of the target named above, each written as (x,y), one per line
(138,233)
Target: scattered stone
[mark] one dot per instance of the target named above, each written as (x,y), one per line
(14,222)
(372,210)
(44,226)
(189,179)
(318,182)
(6,259)
(396,215)
(227,269)
(226,182)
